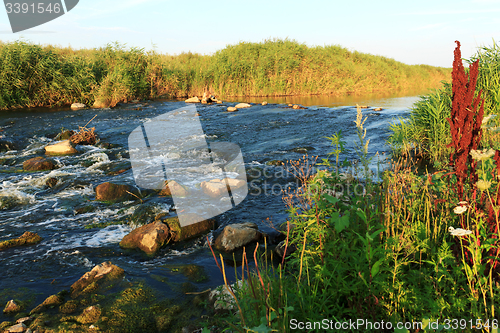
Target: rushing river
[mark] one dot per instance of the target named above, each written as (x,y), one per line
(68,249)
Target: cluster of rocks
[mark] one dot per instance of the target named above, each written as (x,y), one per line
(207,98)
(101,275)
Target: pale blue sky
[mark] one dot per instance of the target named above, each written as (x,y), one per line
(413,32)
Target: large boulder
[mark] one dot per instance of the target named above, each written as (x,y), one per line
(148,238)
(237,235)
(178,233)
(91,280)
(39,164)
(28,238)
(62,148)
(112,192)
(194,99)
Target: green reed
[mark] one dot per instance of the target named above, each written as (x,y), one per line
(50,76)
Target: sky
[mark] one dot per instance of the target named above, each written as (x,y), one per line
(413,32)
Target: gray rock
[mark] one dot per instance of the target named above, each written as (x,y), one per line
(237,235)
(78,106)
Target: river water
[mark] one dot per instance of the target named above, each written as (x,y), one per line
(68,249)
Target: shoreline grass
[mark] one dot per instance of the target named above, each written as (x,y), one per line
(417,252)
(41,76)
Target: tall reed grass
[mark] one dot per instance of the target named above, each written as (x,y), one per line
(33,75)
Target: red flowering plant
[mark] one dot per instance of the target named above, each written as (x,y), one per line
(466,133)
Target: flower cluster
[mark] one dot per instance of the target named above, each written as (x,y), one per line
(482,155)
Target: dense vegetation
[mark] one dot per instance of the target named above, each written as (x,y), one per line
(34,75)
(419,249)
(427,128)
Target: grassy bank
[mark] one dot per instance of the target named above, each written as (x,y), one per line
(36,75)
(427,130)
(413,253)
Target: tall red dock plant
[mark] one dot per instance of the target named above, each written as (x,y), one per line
(465,123)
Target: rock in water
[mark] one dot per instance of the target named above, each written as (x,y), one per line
(231,109)
(18,328)
(174,188)
(50,301)
(148,238)
(264,103)
(93,279)
(242,105)
(62,148)
(38,164)
(191,230)
(28,238)
(78,106)
(217,187)
(11,307)
(194,99)
(112,192)
(237,235)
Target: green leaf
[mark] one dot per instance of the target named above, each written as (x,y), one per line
(331,199)
(376,267)
(375,234)
(342,223)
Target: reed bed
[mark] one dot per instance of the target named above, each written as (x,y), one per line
(35,75)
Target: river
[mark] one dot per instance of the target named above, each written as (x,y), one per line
(68,249)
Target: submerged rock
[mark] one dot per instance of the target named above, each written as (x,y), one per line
(51,301)
(149,238)
(11,307)
(194,99)
(242,105)
(149,212)
(237,235)
(28,238)
(91,280)
(6,145)
(62,148)
(112,192)
(39,164)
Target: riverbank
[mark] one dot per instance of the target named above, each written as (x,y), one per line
(38,76)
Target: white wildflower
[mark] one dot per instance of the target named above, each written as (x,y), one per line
(482,155)
(483,185)
(459,231)
(460,209)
